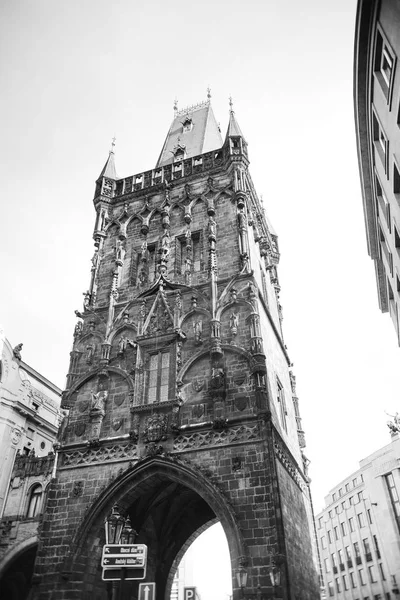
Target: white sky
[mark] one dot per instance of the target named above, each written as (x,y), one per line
(75,73)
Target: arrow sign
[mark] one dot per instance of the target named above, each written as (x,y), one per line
(123,561)
(116,549)
(147,591)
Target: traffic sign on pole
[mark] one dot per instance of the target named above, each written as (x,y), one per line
(189,593)
(147,591)
(116,574)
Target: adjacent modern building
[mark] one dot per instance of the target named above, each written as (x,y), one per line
(358,531)
(377,117)
(182,403)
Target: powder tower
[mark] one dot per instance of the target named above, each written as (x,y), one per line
(180,403)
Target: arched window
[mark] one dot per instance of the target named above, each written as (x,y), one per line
(35,501)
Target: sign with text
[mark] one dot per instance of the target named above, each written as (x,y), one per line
(124,561)
(124,549)
(147,591)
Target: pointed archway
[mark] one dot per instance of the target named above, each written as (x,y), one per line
(170,503)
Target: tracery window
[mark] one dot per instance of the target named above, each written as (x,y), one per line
(158,377)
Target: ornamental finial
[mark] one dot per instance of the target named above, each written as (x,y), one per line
(209,93)
(113,144)
(176,105)
(230,104)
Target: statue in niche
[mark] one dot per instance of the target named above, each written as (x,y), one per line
(86,300)
(165,243)
(90,349)
(78,329)
(95,260)
(99,398)
(123,343)
(198,330)
(120,251)
(234,323)
(212,226)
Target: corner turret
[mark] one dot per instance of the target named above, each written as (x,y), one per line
(105,184)
(234,137)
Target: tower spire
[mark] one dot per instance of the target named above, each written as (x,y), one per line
(109,168)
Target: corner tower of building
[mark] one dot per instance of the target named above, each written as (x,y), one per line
(182,403)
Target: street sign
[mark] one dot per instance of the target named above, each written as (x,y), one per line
(125,573)
(147,591)
(123,561)
(125,549)
(189,593)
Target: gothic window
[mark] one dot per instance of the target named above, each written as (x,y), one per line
(179,155)
(184,253)
(158,377)
(35,501)
(282,404)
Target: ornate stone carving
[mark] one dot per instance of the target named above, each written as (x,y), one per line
(98,454)
(199,439)
(155,428)
(198,330)
(78,489)
(17,351)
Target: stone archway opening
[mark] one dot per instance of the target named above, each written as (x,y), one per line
(205,565)
(169,506)
(16,579)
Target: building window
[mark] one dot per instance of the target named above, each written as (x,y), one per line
(340,556)
(360,519)
(35,501)
(320,520)
(396,181)
(348,556)
(384,65)
(369,516)
(343,528)
(345,584)
(336,530)
(330,536)
(382,572)
(330,589)
(381,142)
(340,492)
(361,576)
(327,565)
(350,500)
(360,496)
(367,550)
(337,510)
(333,558)
(30,433)
(338,588)
(158,377)
(385,250)
(323,542)
(357,552)
(343,505)
(391,486)
(282,404)
(353,580)
(189,253)
(330,513)
(371,574)
(376,546)
(396,239)
(333,497)
(347,487)
(351,524)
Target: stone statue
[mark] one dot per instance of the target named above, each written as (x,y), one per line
(120,251)
(123,343)
(78,329)
(234,323)
(98,399)
(394,426)
(17,351)
(198,329)
(86,300)
(90,353)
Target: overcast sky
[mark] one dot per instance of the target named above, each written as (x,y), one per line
(74,74)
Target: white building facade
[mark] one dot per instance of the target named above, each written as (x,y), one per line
(358,531)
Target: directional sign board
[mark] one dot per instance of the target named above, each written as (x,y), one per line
(124,561)
(125,573)
(147,591)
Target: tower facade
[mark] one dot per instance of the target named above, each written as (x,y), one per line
(181,404)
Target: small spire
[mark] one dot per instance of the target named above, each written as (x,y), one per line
(209,93)
(230,104)
(113,144)
(175,105)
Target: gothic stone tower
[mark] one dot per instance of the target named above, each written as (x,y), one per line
(182,406)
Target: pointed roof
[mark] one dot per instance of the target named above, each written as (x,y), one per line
(109,168)
(194,130)
(233,126)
